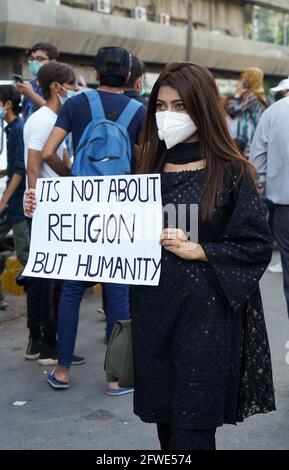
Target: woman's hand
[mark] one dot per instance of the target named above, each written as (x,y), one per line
(29,202)
(175,241)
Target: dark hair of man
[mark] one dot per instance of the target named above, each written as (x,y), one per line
(10,93)
(50,50)
(112,65)
(136,71)
(54,72)
(199,93)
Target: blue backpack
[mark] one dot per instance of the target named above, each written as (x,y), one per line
(104,147)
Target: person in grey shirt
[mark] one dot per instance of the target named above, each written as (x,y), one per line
(270,156)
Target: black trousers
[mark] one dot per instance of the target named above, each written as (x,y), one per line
(270,207)
(281,232)
(172,438)
(43,296)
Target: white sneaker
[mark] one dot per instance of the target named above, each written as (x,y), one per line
(275,268)
(100,310)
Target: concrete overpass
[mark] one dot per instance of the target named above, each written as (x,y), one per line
(79,33)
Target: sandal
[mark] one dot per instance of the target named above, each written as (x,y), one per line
(115,392)
(55,383)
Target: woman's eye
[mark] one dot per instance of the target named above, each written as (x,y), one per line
(180,107)
(160,106)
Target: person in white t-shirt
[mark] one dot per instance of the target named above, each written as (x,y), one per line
(58,83)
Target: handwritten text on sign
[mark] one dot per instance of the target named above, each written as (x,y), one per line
(97,229)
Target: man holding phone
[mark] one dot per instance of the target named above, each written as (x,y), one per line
(39,55)
(18,78)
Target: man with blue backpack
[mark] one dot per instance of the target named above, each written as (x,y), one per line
(105,127)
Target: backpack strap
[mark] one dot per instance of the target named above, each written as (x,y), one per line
(129,112)
(95,104)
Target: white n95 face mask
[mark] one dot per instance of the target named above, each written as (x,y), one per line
(174,128)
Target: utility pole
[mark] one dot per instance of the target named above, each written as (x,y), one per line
(189,48)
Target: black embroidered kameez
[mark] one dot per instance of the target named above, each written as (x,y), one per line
(201,350)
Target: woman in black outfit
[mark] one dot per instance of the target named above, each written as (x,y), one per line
(201,350)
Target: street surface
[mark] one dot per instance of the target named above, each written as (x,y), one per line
(83,417)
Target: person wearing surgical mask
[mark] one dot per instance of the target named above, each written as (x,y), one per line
(57,83)
(11,201)
(134,86)
(40,54)
(201,352)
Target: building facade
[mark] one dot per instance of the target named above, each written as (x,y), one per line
(228,35)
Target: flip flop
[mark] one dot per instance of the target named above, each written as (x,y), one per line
(116,392)
(56,383)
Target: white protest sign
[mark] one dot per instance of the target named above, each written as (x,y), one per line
(99,229)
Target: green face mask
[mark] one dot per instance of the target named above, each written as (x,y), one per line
(34,67)
(3,112)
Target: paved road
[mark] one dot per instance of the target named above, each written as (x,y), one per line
(85,418)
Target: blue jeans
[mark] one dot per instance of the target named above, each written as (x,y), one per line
(117,308)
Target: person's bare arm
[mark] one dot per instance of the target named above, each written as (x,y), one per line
(66,159)
(49,155)
(33,167)
(13,185)
(27,90)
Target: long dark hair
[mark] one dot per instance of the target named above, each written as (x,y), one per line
(198,90)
